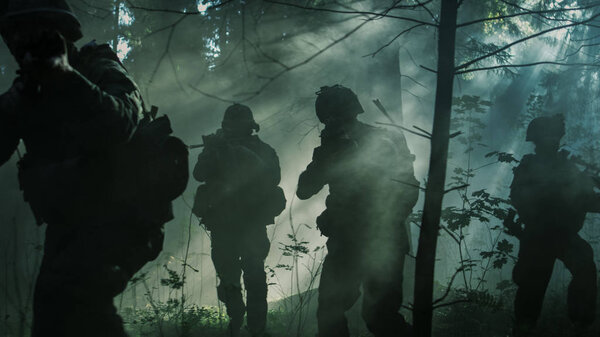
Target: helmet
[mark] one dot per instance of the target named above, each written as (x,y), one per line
(55,13)
(549,128)
(337,103)
(239,115)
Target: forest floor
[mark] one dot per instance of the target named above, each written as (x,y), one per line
(480,315)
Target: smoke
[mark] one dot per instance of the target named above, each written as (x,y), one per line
(197,60)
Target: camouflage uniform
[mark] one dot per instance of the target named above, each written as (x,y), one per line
(239,198)
(364,220)
(552,197)
(94,243)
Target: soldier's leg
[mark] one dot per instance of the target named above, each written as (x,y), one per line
(581,301)
(75,289)
(382,301)
(339,289)
(256,248)
(382,287)
(226,259)
(531,273)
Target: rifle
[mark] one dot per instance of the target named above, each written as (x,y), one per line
(197,146)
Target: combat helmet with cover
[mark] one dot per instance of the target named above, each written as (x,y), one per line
(546,128)
(238,115)
(337,103)
(51,13)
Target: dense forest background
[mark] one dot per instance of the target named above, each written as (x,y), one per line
(193,58)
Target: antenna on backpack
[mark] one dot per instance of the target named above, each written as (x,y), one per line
(153,111)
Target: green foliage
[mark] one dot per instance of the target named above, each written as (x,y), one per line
(502,157)
(467,119)
(499,254)
(174,280)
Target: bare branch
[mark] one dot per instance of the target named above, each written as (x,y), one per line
(384,14)
(179,12)
(373,54)
(409,184)
(456,188)
(581,47)
(449,303)
(449,287)
(419,4)
(167,47)
(422,130)
(405,129)
(271,79)
(415,81)
(428,69)
(211,95)
(433,17)
(503,66)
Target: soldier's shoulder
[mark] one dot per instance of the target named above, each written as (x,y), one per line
(390,136)
(95,52)
(99,64)
(262,144)
(527,162)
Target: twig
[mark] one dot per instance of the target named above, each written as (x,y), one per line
(373,54)
(405,129)
(409,184)
(450,303)
(527,65)
(449,287)
(375,14)
(422,130)
(428,69)
(211,95)
(179,12)
(456,188)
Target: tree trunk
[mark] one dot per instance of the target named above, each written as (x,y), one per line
(434,194)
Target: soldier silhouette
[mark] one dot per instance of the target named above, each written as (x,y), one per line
(552,197)
(73,108)
(365,216)
(239,198)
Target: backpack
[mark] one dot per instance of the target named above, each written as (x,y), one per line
(153,166)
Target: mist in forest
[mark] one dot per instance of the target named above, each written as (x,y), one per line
(192,59)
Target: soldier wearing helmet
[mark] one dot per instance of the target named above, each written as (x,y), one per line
(365,215)
(239,196)
(552,197)
(72,108)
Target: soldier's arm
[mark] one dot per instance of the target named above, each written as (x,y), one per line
(313,179)
(523,192)
(108,104)
(593,203)
(273,169)
(205,166)
(589,198)
(9,137)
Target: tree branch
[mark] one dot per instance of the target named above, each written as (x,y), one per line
(373,54)
(525,12)
(456,188)
(179,12)
(527,65)
(409,184)
(384,14)
(405,129)
(449,287)
(509,45)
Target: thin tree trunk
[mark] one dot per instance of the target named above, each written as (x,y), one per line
(434,193)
